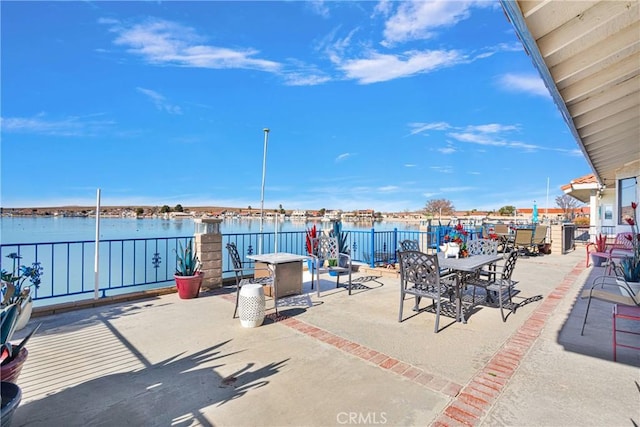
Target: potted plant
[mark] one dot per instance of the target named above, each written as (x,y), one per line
(455,243)
(312,233)
(631,264)
(188,275)
(342,237)
(600,245)
(12,357)
(14,290)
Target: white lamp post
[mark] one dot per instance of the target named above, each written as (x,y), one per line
(264,170)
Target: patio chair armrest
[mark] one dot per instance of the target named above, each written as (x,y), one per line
(603,282)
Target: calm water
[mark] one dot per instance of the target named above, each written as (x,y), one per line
(59,229)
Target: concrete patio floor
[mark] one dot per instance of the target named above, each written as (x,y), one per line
(336,360)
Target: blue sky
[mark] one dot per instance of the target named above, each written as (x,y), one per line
(371,105)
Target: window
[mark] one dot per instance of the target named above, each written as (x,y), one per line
(626,194)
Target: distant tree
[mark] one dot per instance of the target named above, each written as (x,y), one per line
(178,208)
(165,209)
(139,211)
(322,211)
(507,210)
(568,204)
(282,211)
(439,207)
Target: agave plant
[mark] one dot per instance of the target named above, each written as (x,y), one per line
(188,262)
(8,321)
(342,237)
(601,243)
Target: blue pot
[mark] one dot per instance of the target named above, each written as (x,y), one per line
(311,264)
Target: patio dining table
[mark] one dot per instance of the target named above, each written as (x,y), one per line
(461,267)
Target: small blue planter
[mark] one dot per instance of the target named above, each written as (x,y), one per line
(311,264)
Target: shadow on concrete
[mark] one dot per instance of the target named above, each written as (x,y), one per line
(173,391)
(597,340)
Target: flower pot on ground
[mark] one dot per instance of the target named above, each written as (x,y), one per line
(312,264)
(311,246)
(597,261)
(11,396)
(11,371)
(188,276)
(12,357)
(189,286)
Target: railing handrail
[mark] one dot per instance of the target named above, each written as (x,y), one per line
(150,261)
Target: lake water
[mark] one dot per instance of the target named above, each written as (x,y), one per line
(38,229)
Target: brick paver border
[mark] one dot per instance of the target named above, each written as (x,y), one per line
(477,397)
(471,402)
(383,361)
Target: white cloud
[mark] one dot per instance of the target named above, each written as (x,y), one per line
(491,128)
(421,127)
(476,138)
(296,79)
(446,150)
(389,189)
(442,169)
(160,101)
(319,7)
(417,20)
(377,67)
(168,43)
(409,165)
(342,157)
(69,126)
(530,83)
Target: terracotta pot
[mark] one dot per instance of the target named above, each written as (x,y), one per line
(11,370)
(189,286)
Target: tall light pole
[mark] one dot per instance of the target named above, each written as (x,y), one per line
(264,171)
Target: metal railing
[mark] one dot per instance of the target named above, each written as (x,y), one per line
(145,263)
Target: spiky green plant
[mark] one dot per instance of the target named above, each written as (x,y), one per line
(188,263)
(342,237)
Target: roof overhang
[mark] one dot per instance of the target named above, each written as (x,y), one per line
(588,55)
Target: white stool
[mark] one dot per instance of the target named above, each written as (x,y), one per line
(251,305)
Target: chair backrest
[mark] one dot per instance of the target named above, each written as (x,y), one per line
(624,241)
(540,234)
(419,268)
(501,228)
(327,247)
(482,247)
(509,265)
(523,237)
(235,256)
(410,245)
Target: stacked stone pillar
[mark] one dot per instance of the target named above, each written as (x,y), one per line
(208,243)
